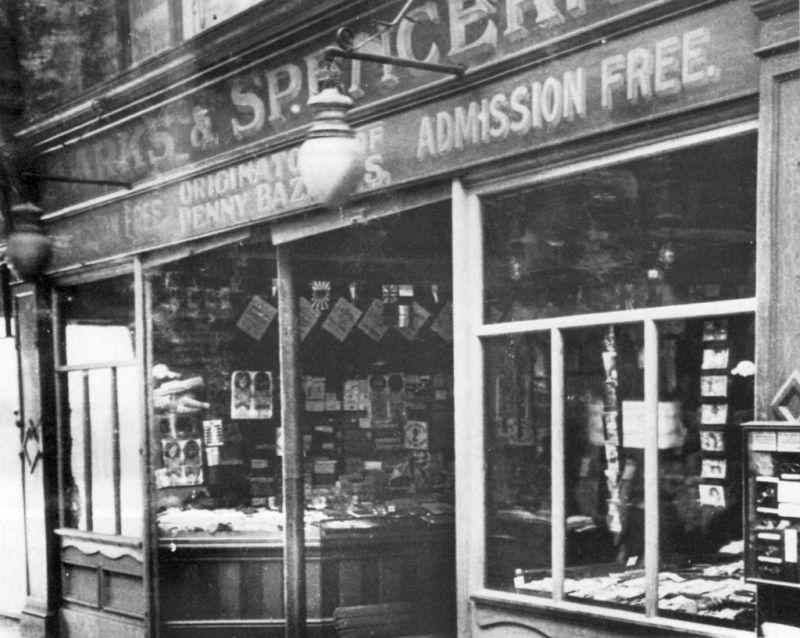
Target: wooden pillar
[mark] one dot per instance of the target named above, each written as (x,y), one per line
(293,497)
(40,481)
(778,236)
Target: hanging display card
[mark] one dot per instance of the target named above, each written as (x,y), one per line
(212,432)
(788,441)
(182,462)
(353,396)
(256,318)
(715,330)
(763,441)
(443,324)
(251,394)
(714,385)
(373,324)
(314,392)
(418,316)
(380,404)
(416,435)
(714,413)
(714,468)
(715,358)
(712,441)
(712,495)
(308,317)
(341,319)
(671,432)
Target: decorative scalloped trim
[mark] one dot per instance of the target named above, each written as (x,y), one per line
(109,551)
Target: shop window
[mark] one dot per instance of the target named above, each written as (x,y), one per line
(215,393)
(518,480)
(642,299)
(375,317)
(376,412)
(658,232)
(100,408)
(706,383)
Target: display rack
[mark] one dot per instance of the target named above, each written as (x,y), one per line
(772,503)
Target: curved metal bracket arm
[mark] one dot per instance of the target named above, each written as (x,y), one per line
(338,52)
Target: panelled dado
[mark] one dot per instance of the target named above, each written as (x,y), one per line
(268,96)
(690,61)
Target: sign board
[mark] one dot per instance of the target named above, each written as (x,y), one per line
(698,59)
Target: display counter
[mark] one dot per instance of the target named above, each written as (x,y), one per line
(220,582)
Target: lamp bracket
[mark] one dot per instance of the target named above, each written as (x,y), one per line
(347,48)
(352,54)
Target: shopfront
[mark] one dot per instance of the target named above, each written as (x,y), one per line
(516,362)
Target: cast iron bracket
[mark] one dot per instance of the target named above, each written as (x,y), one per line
(346,49)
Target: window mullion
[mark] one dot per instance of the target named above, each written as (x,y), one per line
(115,453)
(651,519)
(557,478)
(60,381)
(87,452)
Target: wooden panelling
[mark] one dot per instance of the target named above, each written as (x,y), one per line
(213,590)
(123,594)
(81,623)
(80,584)
(246,629)
(95,583)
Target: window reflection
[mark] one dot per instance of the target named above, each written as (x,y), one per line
(705,368)
(518,453)
(657,232)
(101,418)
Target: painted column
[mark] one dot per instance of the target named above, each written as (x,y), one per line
(39,476)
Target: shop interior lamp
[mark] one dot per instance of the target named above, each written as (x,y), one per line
(330,159)
(29,248)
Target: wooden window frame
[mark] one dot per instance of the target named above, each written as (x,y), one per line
(62,369)
(470,330)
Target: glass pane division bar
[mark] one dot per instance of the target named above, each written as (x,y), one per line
(666,313)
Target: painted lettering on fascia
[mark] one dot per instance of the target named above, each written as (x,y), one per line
(670,67)
(270,98)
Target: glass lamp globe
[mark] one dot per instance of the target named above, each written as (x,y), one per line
(29,248)
(330,159)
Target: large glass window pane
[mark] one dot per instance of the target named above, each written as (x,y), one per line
(604,435)
(705,393)
(518,478)
(215,365)
(656,232)
(101,421)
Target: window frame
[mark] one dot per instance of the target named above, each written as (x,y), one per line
(61,370)
(471,329)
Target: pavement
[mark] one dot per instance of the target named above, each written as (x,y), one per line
(8,628)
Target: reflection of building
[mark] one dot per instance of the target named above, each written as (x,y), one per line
(544,259)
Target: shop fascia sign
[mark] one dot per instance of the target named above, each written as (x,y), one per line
(269,98)
(671,67)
